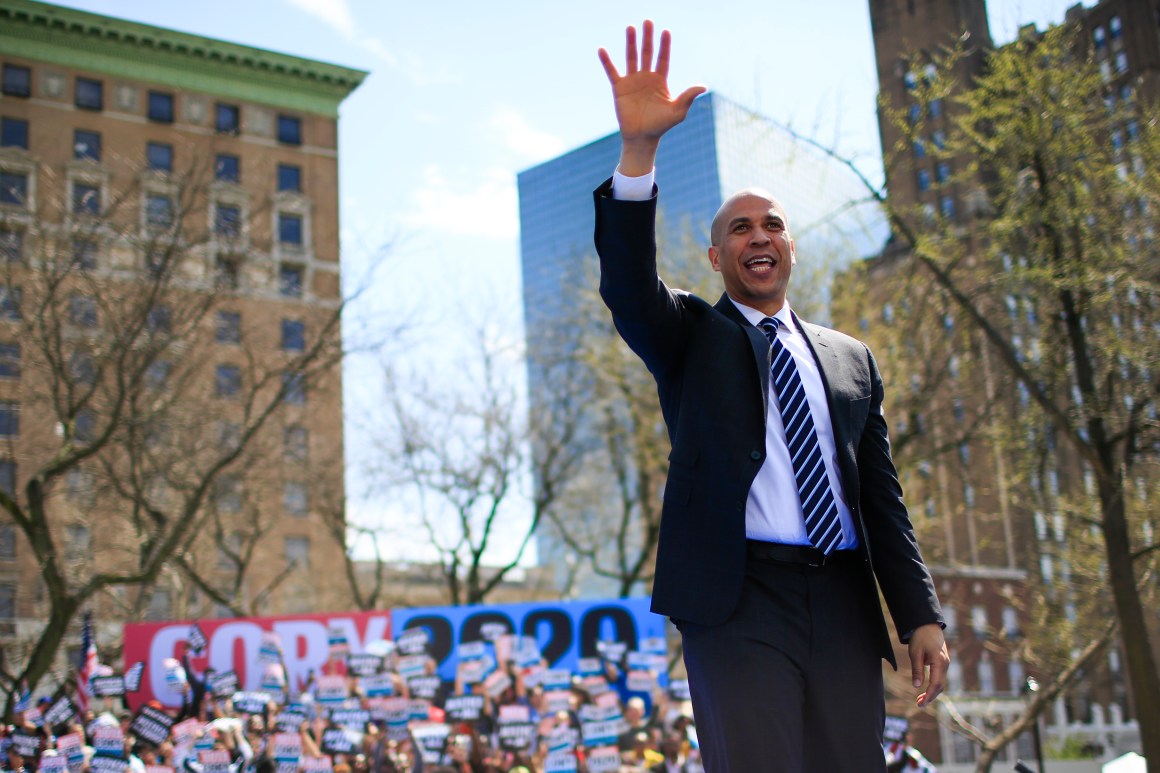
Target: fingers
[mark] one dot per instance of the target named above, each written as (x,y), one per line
(609,68)
(663,54)
(685,100)
(646,46)
(630,65)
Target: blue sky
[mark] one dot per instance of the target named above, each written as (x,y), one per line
(464,94)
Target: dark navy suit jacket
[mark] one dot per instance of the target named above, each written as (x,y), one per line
(712,372)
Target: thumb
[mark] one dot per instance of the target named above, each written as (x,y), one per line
(685,100)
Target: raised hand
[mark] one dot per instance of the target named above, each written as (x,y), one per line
(645,109)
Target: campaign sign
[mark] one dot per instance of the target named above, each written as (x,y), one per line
(235,645)
(108,740)
(517,736)
(251,702)
(562,738)
(563,631)
(108,686)
(432,740)
(224,683)
(287,748)
(604,760)
(151,725)
(464,708)
(330,690)
(159,769)
(641,681)
(496,683)
(419,709)
(185,731)
(341,740)
(364,664)
(426,687)
(515,712)
(560,762)
(72,748)
(55,764)
(377,685)
(133,677)
(59,712)
(214,761)
(589,667)
(355,719)
(413,642)
(600,733)
(26,744)
(412,665)
(895,729)
(612,650)
(679,689)
(103,764)
(557,700)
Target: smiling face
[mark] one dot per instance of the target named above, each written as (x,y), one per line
(752,250)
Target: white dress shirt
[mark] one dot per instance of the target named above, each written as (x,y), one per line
(769,516)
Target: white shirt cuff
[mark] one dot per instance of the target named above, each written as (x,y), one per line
(633,188)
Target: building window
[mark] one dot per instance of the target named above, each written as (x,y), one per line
(8,477)
(960,412)
(7,601)
(939,138)
(1116,27)
(919,149)
(1100,37)
(289,228)
(82,310)
(226,272)
(13,133)
(951,618)
(81,368)
(227,221)
(9,360)
(227,118)
(294,499)
(227,381)
(946,205)
(289,130)
(979,620)
(9,419)
(228,494)
(298,551)
(13,188)
(159,319)
(11,303)
(158,210)
(86,199)
(228,168)
(1010,622)
(158,605)
(85,427)
(11,245)
(923,176)
(90,94)
(159,156)
(986,673)
(968,495)
(17,81)
(157,374)
(290,281)
(229,435)
(942,172)
(7,542)
(289,178)
(229,327)
(295,443)
(1121,63)
(294,388)
(965,452)
(160,107)
(84,254)
(293,335)
(935,108)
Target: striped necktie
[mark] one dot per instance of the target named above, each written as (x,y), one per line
(821,513)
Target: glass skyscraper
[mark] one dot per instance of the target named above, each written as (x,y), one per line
(720,148)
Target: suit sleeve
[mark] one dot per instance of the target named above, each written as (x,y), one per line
(905,580)
(648,315)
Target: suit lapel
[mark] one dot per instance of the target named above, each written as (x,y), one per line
(831,370)
(758,342)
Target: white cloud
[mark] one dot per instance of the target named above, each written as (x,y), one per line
(523,138)
(488,209)
(334,13)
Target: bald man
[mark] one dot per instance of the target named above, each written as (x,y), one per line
(783,515)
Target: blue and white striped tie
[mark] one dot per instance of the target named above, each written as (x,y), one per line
(821,514)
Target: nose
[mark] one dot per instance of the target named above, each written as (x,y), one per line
(759,236)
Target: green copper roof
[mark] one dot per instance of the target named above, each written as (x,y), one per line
(125,49)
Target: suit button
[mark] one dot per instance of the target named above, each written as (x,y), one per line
(755,455)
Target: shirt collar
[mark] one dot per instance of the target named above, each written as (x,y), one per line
(754,317)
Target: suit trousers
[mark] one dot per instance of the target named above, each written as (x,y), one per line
(792,682)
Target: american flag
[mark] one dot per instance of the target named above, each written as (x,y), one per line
(88,664)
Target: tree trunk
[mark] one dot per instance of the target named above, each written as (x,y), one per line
(61,613)
(1142,675)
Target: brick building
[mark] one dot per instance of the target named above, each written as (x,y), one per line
(142,160)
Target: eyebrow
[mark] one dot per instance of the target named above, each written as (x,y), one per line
(765,218)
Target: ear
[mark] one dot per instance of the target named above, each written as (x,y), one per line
(715,259)
(792,254)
